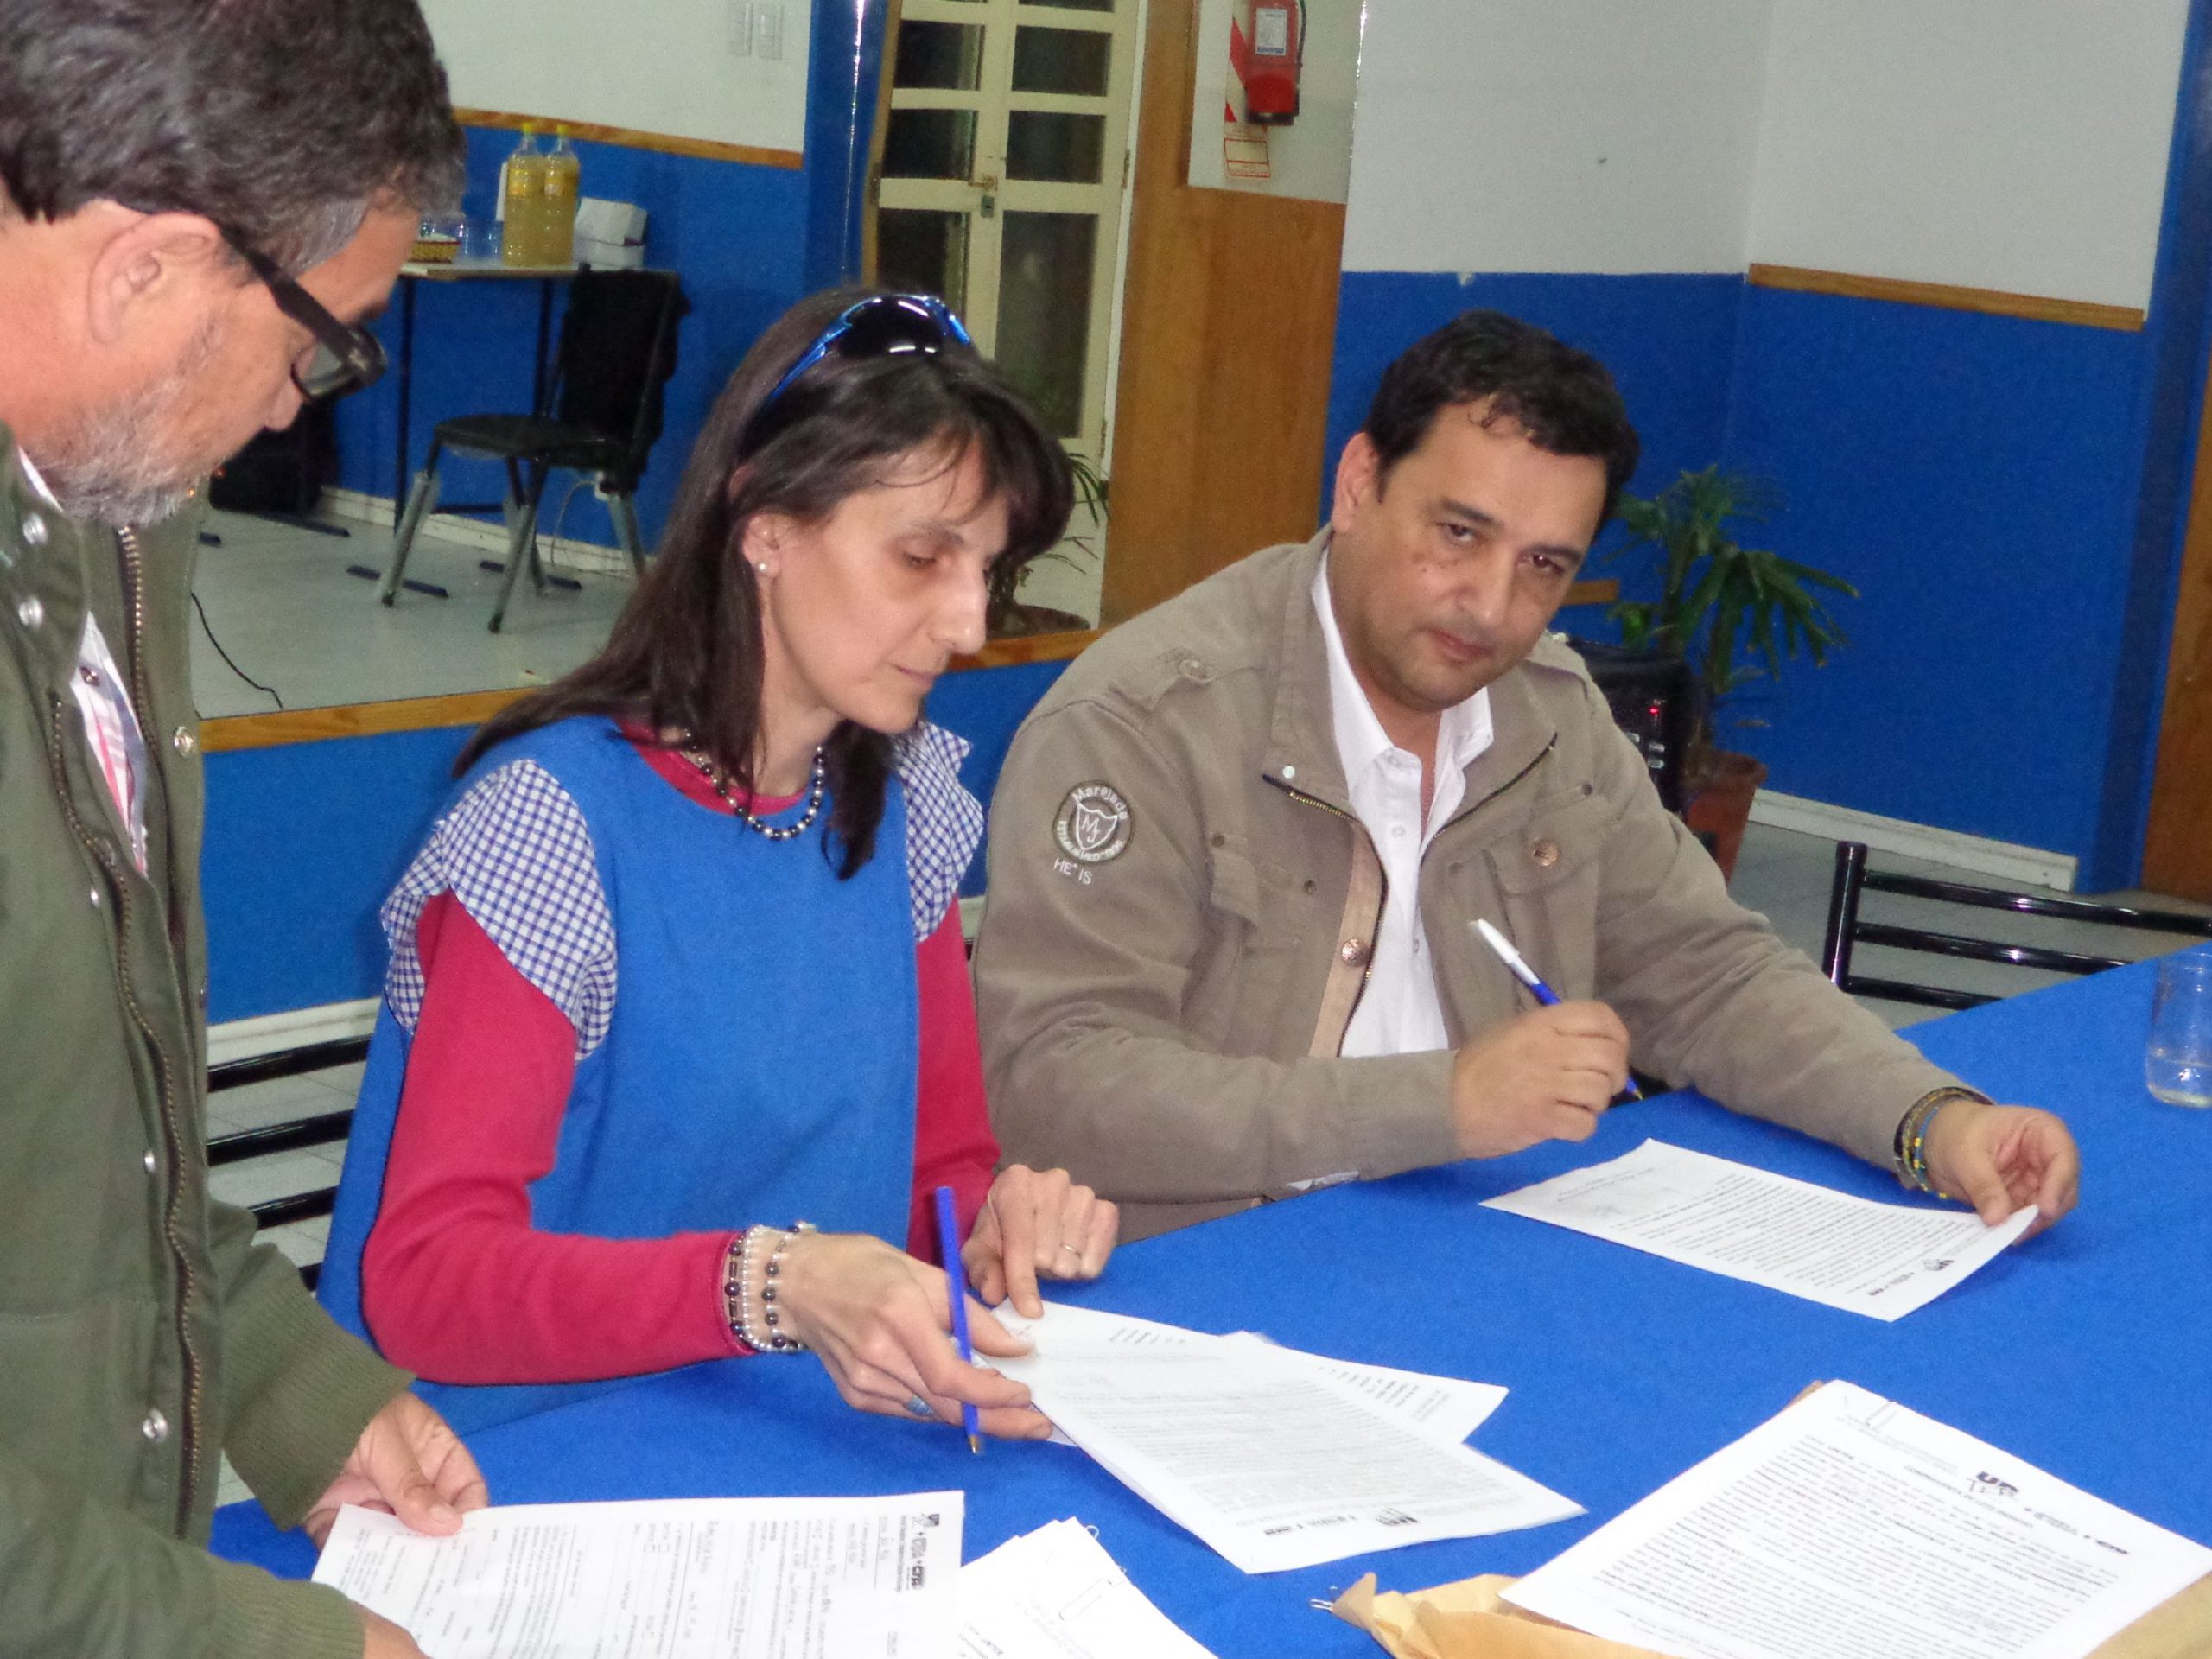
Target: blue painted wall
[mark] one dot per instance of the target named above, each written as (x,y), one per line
(1975,477)
(1985,481)
(1670,340)
(305,841)
(736,234)
(748,241)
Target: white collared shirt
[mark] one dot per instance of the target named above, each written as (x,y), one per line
(1399,1012)
(103,704)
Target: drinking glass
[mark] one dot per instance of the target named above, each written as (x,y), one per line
(2177,1057)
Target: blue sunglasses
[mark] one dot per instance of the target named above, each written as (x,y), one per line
(883,324)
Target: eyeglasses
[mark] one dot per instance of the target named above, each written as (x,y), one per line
(343,358)
(883,324)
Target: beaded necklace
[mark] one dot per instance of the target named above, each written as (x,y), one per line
(715,776)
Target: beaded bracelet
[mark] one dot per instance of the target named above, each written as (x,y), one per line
(1909,1150)
(737,1290)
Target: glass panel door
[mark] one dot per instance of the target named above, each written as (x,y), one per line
(1002,184)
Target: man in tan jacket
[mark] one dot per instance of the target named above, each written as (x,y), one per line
(1237,852)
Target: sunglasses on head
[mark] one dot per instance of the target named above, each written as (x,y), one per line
(883,324)
(343,358)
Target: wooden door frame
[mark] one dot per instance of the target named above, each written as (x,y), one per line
(1227,340)
(2177,842)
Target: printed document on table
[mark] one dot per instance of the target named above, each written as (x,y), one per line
(1055,1593)
(1275,1464)
(1449,1408)
(781,1578)
(1850,1528)
(1882,1260)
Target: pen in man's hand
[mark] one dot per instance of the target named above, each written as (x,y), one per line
(955,1287)
(1519,968)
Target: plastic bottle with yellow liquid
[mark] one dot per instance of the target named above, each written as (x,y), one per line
(563,183)
(523,195)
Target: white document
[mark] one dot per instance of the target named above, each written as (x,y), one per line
(1882,1260)
(1054,1593)
(775,1578)
(1272,1462)
(1448,1408)
(1850,1528)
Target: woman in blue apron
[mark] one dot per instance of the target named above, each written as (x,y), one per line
(676,1037)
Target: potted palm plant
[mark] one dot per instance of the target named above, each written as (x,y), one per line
(1734,614)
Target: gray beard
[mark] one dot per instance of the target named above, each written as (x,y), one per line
(111,469)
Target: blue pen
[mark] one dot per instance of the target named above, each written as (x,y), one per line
(948,1245)
(1520,971)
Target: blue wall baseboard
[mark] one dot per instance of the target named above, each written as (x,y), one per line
(305,841)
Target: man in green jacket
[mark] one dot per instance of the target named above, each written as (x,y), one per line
(200,200)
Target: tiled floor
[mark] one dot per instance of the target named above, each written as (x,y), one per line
(282,602)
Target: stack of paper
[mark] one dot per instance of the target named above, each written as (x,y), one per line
(1276,1459)
(1054,1593)
(807,1578)
(1882,1260)
(1850,1528)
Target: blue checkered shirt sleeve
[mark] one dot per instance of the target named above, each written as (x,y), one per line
(516,851)
(945,822)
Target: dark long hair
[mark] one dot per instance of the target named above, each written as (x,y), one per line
(686,653)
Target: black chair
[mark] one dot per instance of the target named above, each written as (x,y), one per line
(601,415)
(1846,929)
(322,1129)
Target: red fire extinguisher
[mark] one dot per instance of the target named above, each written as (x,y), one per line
(1268,48)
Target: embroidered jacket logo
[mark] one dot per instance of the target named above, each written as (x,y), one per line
(1093,823)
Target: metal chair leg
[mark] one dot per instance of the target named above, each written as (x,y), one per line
(623,508)
(522,544)
(419,499)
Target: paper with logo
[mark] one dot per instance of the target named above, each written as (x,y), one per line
(1055,1593)
(1272,1461)
(1848,1527)
(783,1577)
(1882,1260)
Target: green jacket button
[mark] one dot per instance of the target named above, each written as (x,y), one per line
(155,1428)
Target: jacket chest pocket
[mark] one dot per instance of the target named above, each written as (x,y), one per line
(1549,869)
(1258,915)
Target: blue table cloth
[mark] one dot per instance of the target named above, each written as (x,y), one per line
(2086,1351)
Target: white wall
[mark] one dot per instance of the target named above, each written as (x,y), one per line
(1556,135)
(2014,144)
(667,67)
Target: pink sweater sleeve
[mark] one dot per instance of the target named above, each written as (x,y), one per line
(456,1283)
(953,1143)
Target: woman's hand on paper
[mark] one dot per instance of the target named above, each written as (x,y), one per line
(2002,1159)
(1036,1225)
(879,1321)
